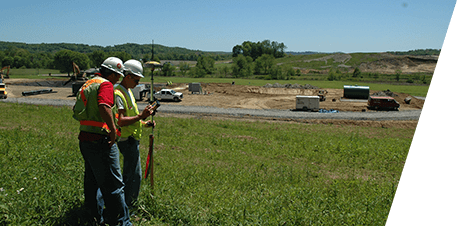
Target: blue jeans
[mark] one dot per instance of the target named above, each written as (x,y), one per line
(130,149)
(102,172)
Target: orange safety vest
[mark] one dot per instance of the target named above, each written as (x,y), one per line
(89,116)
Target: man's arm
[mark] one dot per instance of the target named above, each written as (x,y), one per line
(105,100)
(105,112)
(126,120)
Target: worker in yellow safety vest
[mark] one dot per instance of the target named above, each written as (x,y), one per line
(95,110)
(131,122)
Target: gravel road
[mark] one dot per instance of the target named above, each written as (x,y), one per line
(271,113)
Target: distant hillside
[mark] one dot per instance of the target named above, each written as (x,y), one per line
(137,51)
(384,63)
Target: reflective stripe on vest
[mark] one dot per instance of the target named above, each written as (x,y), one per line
(102,125)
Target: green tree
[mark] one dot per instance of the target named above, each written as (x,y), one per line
(241,66)
(297,72)
(96,58)
(119,54)
(206,64)
(237,50)
(397,75)
(263,64)
(276,73)
(197,72)
(7,61)
(225,70)
(64,58)
(2,55)
(168,70)
(356,73)
(257,49)
(184,68)
(290,73)
(332,75)
(21,62)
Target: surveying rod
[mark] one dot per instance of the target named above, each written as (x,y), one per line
(155,104)
(151,136)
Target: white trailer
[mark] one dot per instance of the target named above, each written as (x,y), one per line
(139,91)
(307,103)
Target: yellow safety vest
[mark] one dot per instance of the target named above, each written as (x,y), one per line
(131,109)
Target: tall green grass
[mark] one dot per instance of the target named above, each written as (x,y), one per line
(208,172)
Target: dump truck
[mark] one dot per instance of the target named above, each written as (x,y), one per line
(382,103)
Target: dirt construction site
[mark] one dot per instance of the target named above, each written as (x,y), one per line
(226,95)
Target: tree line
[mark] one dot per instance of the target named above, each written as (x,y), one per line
(257,49)
(51,56)
(417,52)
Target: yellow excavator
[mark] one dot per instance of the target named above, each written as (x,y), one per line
(7,74)
(77,74)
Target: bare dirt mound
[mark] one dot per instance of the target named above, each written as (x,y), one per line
(406,64)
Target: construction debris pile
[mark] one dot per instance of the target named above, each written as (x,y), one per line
(290,86)
(385,93)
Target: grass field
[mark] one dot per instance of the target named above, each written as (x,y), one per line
(208,172)
(31,73)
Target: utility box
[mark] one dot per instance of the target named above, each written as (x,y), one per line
(356,92)
(195,87)
(307,103)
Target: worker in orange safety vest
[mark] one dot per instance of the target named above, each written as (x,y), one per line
(95,110)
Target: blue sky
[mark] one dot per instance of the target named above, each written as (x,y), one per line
(324,26)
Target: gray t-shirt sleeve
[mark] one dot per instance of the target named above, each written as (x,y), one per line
(119,102)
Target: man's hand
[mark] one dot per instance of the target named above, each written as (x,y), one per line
(150,124)
(112,137)
(148,111)
(105,112)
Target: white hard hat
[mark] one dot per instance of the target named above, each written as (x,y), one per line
(134,67)
(114,64)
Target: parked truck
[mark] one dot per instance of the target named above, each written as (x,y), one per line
(168,94)
(382,103)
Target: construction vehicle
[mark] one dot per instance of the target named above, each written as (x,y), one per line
(78,78)
(77,74)
(7,75)
(3,93)
(382,103)
(322,94)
